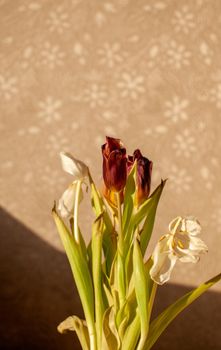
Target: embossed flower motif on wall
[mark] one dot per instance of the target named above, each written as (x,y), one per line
(29,6)
(50,177)
(131,85)
(101,15)
(206,52)
(110,54)
(176,109)
(27,57)
(80,53)
(183,20)
(49,109)
(184,144)
(177,55)
(52,56)
(57,20)
(95,95)
(215,95)
(8,87)
(155,6)
(216,218)
(207,176)
(180,179)
(55,142)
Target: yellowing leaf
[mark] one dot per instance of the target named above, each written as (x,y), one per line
(74,323)
(110,338)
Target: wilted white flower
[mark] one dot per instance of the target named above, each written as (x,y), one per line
(73,193)
(181,243)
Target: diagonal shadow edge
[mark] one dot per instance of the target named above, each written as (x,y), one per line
(37,292)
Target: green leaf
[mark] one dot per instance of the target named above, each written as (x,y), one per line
(132,334)
(74,323)
(129,197)
(126,314)
(81,239)
(109,238)
(110,338)
(129,266)
(142,292)
(147,228)
(167,316)
(107,290)
(146,209)
(97,232)
(80,271)
(121,286)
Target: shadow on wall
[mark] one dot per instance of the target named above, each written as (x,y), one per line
(37,293)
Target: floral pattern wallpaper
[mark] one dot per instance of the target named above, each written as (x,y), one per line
(146,71)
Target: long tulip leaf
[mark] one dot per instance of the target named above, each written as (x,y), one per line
(110,338)
(148,225)
(97,233)
(132,334)
(143,212)
(80,272)
(127,314)
(129,197)
(142,292)
(109,244)
(168,315)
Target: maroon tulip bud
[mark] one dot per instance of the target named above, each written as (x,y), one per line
(114,164)
(144,170)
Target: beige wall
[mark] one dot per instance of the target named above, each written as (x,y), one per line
(148,72)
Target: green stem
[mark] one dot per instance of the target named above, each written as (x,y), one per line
(119,220)
(97,276)
(152,297)
(76,209)
(120,258)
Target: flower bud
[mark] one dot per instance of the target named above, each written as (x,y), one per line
(114,164)
(144,170)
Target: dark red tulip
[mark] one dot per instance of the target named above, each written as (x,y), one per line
(144,170)
(114,164)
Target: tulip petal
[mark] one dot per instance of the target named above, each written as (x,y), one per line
(114,164)
(175,225)
(189,258)
(191,225)
(189,249)
(163,261)
(197,244)
(73,166)
(67,200)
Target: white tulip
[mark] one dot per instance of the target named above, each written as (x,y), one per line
(181,244)
(67,201)
(73,166)
(79,171)
(70,199)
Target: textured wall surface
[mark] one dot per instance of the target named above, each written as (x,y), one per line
(146,71)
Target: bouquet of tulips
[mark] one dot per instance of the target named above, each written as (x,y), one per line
(116,283)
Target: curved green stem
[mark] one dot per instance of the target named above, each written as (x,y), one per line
(152,297)
(120,259)
(76,209)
